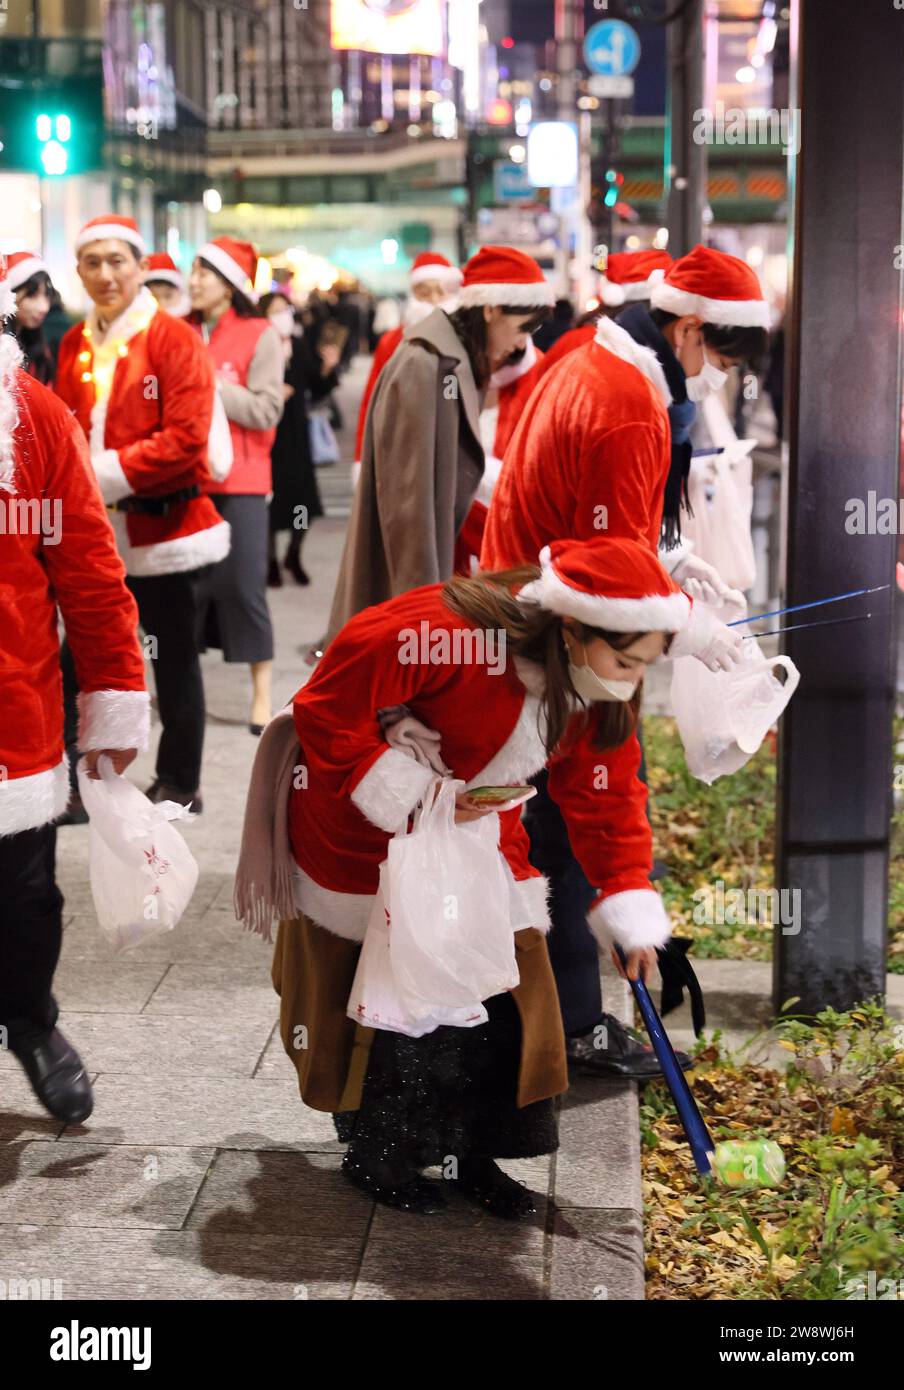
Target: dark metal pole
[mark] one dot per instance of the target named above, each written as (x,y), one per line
(685,173)
(844,440)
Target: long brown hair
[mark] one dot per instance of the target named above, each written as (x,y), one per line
(489,601)
(471,327)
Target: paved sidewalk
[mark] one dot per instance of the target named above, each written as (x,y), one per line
(200,1173)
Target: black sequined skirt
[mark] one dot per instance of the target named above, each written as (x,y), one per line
(449,1094)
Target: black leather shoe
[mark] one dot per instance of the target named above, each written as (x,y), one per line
(482,1181)
(623,1056)
(415,1194)
(165,791)
(56,1073)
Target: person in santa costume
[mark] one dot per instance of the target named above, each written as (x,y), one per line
(166,283)
(422,458)
(508,393)
(57,556)
(434,282)
(139,384)
(248,359)
(629,278)
(29,280)
(579,631)
(591,456)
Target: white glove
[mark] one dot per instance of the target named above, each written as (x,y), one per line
(708,639)
(702,581)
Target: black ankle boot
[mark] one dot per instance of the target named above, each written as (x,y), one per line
(482,1181)
(412,1193)
(56,1073)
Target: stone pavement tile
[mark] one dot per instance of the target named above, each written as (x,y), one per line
(209,1263)
(195,989)
(272,1193)
(22,1116)
(119,985)
(597,1255)
(147,1047)
(196,1111)
(274,1063)
(461,1253)
(598,1163)
(79,1184)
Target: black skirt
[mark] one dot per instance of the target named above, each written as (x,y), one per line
(449,1094)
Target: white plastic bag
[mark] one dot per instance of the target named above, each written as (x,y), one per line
(451,941)
(720,492)
(375,1000)
(723,716)
(142,872)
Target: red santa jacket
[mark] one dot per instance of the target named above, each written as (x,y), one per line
(357,791)
(514,386)
(150,437)
(569,342)
(57,550)
(589,457)
(384,350)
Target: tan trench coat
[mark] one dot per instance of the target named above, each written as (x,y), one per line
(422,461)
(313,972)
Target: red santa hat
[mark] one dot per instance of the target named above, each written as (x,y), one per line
(505,276)
(718,288)
(235,260)
(163,267)
(631,275)
(429,265)
(107,226)
(618,585)
(21,266)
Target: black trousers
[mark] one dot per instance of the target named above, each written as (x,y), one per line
(573,951)
(167,610)
(31,930)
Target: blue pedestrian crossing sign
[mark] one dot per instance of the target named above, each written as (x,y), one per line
(612,48)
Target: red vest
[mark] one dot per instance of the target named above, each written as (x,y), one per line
(232,346)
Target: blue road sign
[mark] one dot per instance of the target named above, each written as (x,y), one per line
(612,48)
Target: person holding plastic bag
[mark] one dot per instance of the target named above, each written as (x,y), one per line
(505,673)
(69,565)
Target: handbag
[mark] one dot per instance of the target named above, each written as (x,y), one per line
(322,439)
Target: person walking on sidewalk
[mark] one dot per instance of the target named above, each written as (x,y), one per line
(248,359)
(139,384)
(577,633)
(309,374)
(65,560)
(422,457)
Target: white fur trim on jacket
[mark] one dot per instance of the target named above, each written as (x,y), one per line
(113,483)
(536,295)
(190,552)
(26,803)
(521,756)
(653,613)
(114,719)
(618,341)
(492,467)
(726,313)
(10,361)
(507,375)
(529,902)
(391,788)
(343,914)
(634,919)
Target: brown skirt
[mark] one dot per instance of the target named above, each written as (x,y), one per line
(313,971)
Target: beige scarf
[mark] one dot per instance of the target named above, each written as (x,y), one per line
(263,879)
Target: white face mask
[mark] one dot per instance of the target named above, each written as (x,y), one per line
(592,687)
(179,307)
(416,310)
(706,382)
(283,322)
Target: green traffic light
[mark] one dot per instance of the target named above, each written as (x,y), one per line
(53,134)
